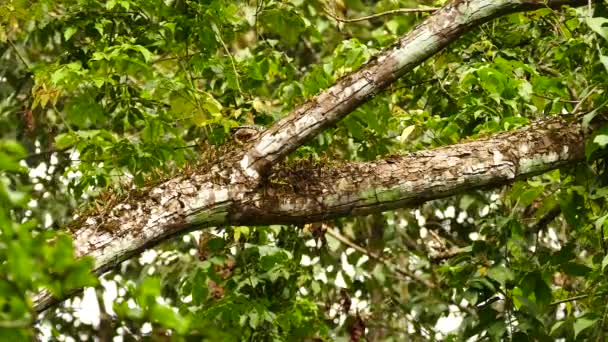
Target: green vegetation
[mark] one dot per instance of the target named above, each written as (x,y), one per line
(101,98)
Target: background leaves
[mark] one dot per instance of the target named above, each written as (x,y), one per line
(99,95)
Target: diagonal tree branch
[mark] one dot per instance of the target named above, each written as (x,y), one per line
(331,105)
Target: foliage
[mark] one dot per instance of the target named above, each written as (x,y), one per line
(102,94)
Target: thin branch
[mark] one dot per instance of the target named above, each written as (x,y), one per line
(601,326)
(440,256)
(555,73)
(236,73)
(105,329)
(60,115)
(575,298)
(546,219)
(585,97)
(164,59)
(382,14)
(15,324)
(45,153)
(336,235)
(10,42)
(556,99)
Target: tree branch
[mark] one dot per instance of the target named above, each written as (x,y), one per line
(583,296)
(313,193)
(331,105)
(544,221)
(382,14)
(336,235)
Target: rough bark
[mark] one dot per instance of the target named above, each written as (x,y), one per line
(232,192)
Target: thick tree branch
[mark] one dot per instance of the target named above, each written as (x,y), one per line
(313,193)
(331,105)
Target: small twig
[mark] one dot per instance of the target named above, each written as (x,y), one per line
(440,256)
(556,27)
(336,235)
(556,99)
(382,14)
(571,299)
(15,324)
(546,218)
(164,59)
(105,329)
(63,120)
(579,104)
(603,323)
(45,153)
(555,73)
(583,296)
(186,147)
(409,86)
(10,42)
(236,74)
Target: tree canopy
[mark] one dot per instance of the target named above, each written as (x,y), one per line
(294,170)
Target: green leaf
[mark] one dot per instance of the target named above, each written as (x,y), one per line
(13,148)
(529,195)
(62,253)
(80,275)
(216,244)
(7,163)
(285,22)
(20,263)
(148,290)
(110,4)
(253,319)
(354,127)
(571,205)
(576,269)
(598,25)
(604,263)
(65,140)
(213,106)
(601,140)
(332,243)
(200,291)
(83,111)
(591,115)
(604,61)
(379,273)
(145,52)
(501,274)
(69,32)
(582,323)
(165,316)
(406,133)
(525,90)
(556,326)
